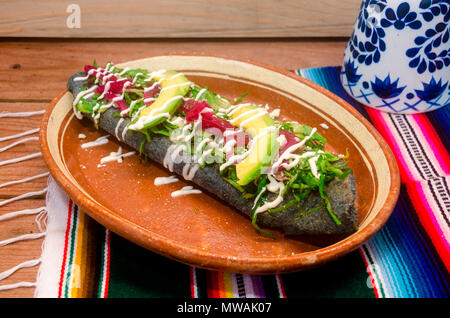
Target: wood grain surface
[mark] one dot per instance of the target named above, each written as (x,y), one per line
(32,72)
(177,18)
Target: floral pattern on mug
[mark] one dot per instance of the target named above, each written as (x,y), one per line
(398,55)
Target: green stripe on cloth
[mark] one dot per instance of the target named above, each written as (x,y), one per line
(375,273)
(102,266)
(136,272)
(72,240)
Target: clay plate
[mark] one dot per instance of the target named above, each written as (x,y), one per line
(199,229)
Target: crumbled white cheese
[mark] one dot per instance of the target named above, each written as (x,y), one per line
(275,113)
(281,140)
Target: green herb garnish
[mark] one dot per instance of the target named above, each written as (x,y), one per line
(240,98)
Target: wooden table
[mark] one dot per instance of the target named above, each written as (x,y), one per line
(32,72)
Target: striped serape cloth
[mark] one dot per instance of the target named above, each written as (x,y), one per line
(408,258)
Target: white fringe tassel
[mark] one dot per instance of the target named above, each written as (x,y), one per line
(41,211)
(25,133)
(23,196)
(23,237)
(11,215)
(22,114)
(17,285)
(23,158)
(45,174)
(41,218)
(12,270)
(21,141)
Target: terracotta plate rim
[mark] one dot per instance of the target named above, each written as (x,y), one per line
(194,257)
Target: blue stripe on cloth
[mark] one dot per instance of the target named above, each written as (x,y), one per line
(403,271)
(402,257)
(440,119)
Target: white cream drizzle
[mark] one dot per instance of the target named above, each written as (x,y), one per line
(97,142)
(175,156)
(185,136)
(126,111)
(259,114)
(136,77)
(154,74)
(167,162)
(83,78)
(313,164)
(101,72)
(174,86)
(237,158)
(251,111)
(107,77)
(185,191)
(274,186)
(147,89)
(106,90)
(204,155)
(200,93)
(259,196)
(149,99)
(230,111)
(229,145)
(116,156)
(289,153)
(126,69)
(200,146)
(175,76)
(165,180)
(231,132)
(297,158)
(272,204)
(143,120)
(116,131)
(81,94)
(189,171)
(125,130)
(103,108)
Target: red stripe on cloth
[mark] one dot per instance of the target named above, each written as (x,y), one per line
(108,253)
(425,216)
(414,188)
(280,286)
(193,281)
(434,142)
(380,125)
(66,243)
(212,285)
(221,292)
(372,279)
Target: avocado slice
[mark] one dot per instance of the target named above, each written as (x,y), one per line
(258,124)
(174,86)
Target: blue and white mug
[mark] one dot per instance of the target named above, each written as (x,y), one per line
(398,56)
